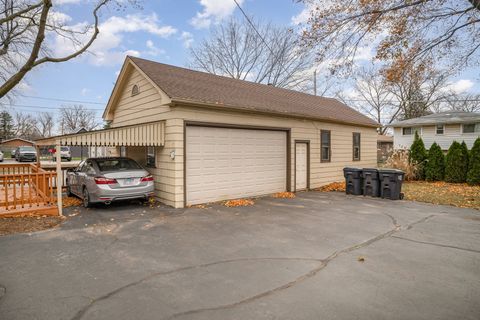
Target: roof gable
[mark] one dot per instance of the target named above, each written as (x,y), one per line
(189,86)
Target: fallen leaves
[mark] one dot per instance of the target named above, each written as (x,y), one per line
(71,202)
(284,195)
(239,203)
(361,259)
(27,224)
(455,194)
(334,186)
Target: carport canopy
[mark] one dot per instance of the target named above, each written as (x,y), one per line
(146,134)
(150,134)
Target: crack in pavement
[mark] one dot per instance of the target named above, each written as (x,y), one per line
(437,244)
(82,311)
(3,291)
(323,263)
(309,274)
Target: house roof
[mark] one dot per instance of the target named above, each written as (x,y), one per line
(21,139)
(384,138)
(448,117)
(195,87)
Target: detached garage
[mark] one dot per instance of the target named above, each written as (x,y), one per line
(224,138)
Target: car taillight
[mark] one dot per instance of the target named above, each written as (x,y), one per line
(147,178)
(103,180)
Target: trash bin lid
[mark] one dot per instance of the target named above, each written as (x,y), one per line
(391,171)
(370,169)
(352,169)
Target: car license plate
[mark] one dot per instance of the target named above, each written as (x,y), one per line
(128,181)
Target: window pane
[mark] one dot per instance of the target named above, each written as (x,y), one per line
(469,128)
(407,131)
(151,157)
(356,146)
(325,153)
(325,145)
(439,128)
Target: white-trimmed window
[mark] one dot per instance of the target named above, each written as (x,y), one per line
(470,127)
(440,129)
(408,131)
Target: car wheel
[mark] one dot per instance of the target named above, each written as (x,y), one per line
(69,159)
(86,198)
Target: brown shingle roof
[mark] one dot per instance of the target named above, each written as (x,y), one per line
(199,87)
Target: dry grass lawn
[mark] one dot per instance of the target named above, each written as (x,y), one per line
(454,194)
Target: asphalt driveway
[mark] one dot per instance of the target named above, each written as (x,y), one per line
(318,256)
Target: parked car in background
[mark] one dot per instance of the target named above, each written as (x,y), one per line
(65,154)
(1,156)
(25,153)
(12,154)
(103,180)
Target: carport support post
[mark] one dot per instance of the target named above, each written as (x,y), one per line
(58,158)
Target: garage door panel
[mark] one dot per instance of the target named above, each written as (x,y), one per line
(224,163)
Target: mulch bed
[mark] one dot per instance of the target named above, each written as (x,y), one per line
(27,224)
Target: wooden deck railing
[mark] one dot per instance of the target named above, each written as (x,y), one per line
(26,189)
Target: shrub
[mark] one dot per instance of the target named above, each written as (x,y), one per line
(435,166)
(455,163)
(418,156)
(466,157)
(473,175)
(400,159)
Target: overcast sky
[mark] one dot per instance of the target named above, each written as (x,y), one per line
(162,31)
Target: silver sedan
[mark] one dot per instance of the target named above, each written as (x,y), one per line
(103,180)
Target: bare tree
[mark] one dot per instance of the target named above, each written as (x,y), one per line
(24,126)
(372,96)
(418,89)
(24,27)
(468,102)
(45,124)
(75,117)
(417,93)
(401,32)
(236,50)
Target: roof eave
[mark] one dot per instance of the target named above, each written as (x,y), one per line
(181,101)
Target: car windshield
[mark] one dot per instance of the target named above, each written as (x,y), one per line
(32,149)
(64,148)
(117,165)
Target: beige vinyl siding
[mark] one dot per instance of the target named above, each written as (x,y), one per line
(147,106)
(452,132)
(169,174)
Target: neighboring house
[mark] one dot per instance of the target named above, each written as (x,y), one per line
(7,146)
(208,138)
(442,128)
(384,147)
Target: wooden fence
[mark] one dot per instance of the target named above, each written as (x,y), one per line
(26,189)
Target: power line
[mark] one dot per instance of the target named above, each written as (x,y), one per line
(64,100)
(41,107)
(259,34)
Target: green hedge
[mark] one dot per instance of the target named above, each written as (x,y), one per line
(435,166)
(473,175)
(418,156)
(456,163)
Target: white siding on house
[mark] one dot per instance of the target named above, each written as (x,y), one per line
(452,132)
(151,105)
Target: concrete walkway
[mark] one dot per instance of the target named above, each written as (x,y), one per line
(318,256)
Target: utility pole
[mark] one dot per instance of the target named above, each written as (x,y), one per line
(315,82)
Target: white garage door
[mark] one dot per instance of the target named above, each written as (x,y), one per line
(224,163)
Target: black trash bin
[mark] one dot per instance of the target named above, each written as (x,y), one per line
(371,182)
(353,180)
(391,183)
